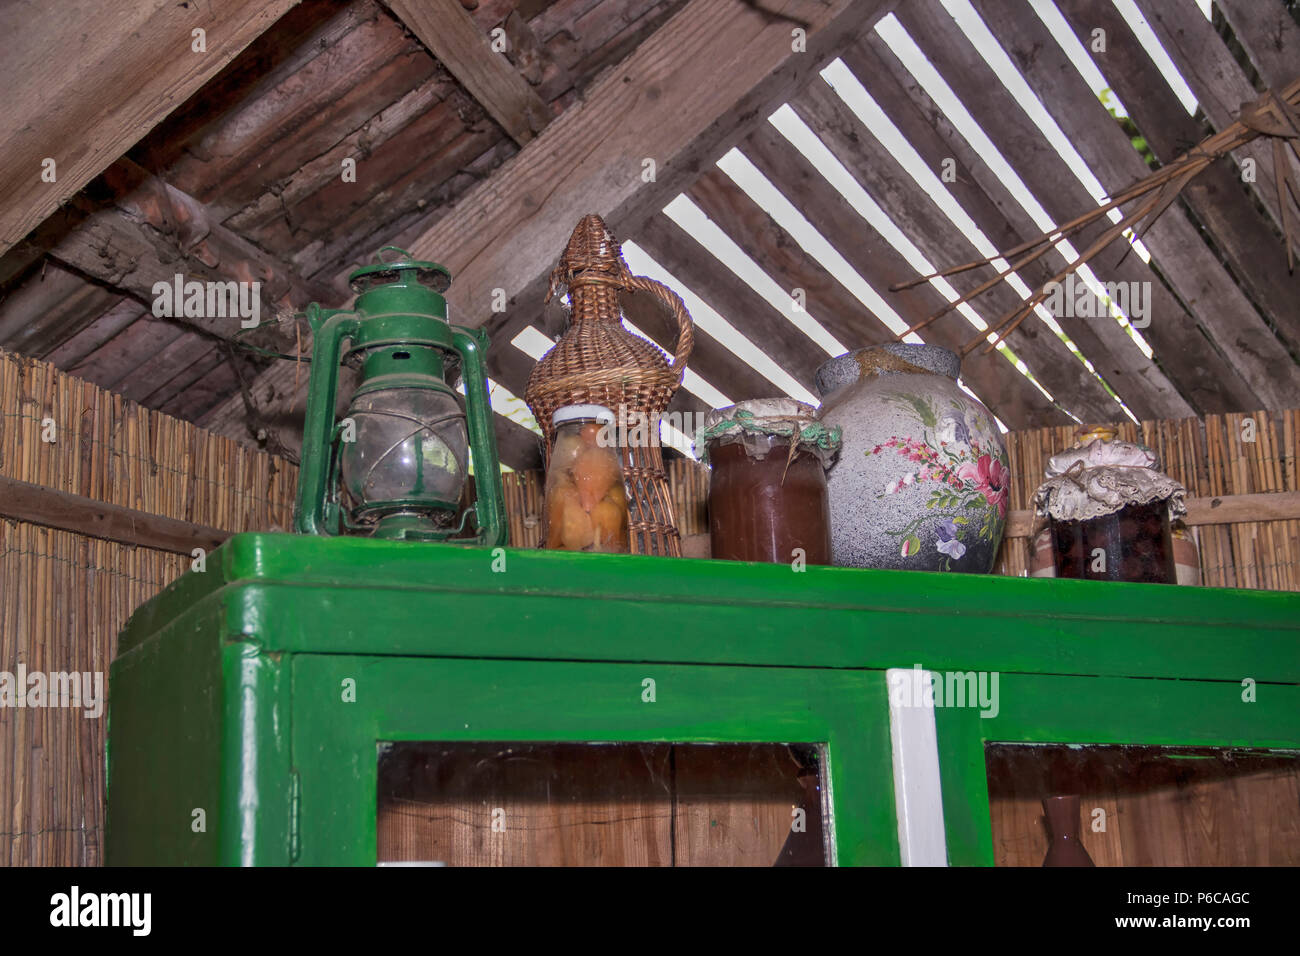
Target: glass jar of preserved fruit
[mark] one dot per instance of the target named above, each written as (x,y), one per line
(1131,544)
(586,501)
(1110,511)
(767,488)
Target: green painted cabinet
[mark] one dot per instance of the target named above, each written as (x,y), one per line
(251,705)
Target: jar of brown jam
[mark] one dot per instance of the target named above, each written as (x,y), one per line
(767,490)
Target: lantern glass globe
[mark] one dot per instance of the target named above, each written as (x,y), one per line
(410,452)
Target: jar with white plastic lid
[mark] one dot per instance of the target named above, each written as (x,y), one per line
(586,500)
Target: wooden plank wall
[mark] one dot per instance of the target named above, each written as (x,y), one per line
(64,597)
(650,804)
(1199,809)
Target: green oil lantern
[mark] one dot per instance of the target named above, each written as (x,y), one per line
(396,465)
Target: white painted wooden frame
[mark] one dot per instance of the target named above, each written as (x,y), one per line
(914,742)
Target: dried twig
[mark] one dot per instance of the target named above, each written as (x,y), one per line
(1273,114)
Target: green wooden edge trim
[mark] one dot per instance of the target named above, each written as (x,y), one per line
(335,741)
(1075,710)
(165,712)
(255,771)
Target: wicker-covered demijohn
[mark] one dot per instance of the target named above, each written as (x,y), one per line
(598,361)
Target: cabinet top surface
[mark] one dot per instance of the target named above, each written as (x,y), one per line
(354,595)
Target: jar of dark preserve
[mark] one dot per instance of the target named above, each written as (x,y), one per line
(1110,511)
(1131,544)
(767,489)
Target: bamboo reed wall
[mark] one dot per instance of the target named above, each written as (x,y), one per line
(65,597)
(1210,458)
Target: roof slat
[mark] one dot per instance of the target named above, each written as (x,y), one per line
(1011,396)
(1215,77)
(1270,37)
(762,239)
(53,305)
(1142,385)
(82,346)
(683,256)
(939,240)
(167,391)
(1217,196)
(1177,247)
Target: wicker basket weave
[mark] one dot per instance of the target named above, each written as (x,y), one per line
(598,361)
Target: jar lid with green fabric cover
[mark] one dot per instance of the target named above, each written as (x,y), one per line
(760,423)
(767,482)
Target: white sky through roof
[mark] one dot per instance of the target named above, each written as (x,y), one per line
(1147,37)
(693,219)
(748,177)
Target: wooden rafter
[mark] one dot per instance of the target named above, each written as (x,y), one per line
(451,35)
(686,94)
(85,85)
(153,231)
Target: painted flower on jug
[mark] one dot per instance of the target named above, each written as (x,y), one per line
(964,471)
(948,542)
(991,478)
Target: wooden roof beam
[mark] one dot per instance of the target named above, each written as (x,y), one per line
(452,36)
(150,233)
(86,85)
(641,133)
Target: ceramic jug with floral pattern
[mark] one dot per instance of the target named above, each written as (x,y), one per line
(922,481)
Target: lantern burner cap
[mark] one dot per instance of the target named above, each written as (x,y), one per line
(393,265)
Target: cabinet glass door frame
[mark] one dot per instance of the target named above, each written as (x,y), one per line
(344,706)
(1052,709)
